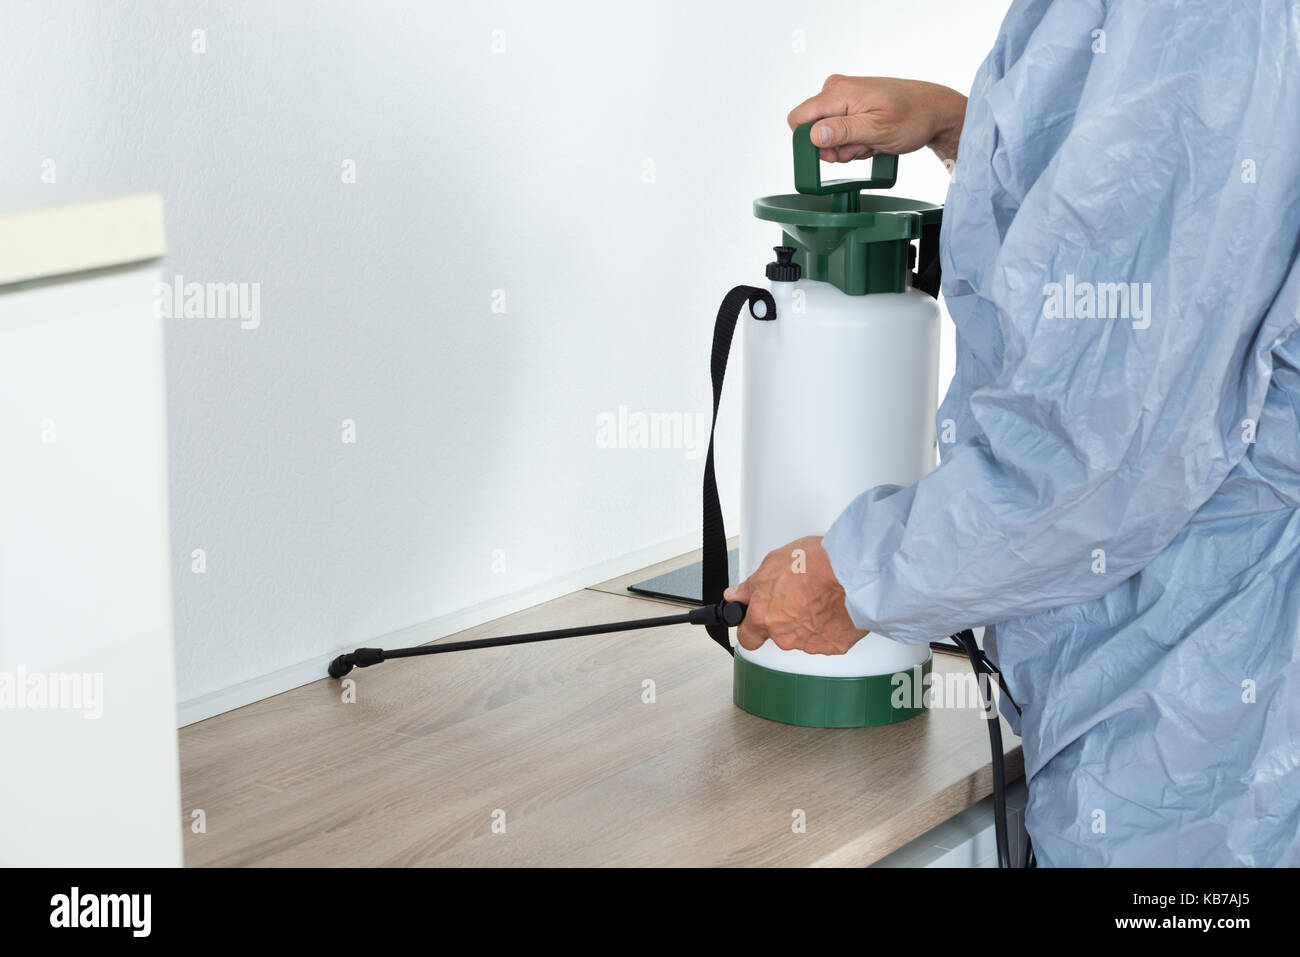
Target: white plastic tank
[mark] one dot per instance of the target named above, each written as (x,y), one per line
(839,397)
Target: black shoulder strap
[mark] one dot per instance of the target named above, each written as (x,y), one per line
(714,535)
(928,274)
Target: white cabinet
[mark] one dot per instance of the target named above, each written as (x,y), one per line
(87,712)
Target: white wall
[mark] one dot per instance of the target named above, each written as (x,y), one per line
(477,171)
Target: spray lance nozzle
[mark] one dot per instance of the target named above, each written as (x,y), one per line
(728,614)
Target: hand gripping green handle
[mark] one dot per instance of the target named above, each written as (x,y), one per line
(843,192)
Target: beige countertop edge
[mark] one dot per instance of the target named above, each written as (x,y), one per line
(62,238)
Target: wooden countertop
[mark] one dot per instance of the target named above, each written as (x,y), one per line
(556,735)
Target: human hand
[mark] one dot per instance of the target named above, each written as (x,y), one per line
(795,599)
(864,115)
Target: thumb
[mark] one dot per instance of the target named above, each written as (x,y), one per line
(741,593)
(854,129)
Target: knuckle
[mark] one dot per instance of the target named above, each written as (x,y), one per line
(785,641)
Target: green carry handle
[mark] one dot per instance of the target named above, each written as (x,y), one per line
(844,193)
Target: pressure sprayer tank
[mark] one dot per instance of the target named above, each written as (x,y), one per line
(839,396)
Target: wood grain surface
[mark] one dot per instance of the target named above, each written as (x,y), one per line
(557,736)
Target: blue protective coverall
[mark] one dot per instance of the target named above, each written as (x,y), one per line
(1120,480)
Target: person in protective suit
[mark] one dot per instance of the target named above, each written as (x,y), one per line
(1118,499)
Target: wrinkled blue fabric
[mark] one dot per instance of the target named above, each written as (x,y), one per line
(1118,497)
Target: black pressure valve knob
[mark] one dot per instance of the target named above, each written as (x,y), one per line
(784,269)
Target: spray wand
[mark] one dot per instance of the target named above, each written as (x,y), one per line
(728,614)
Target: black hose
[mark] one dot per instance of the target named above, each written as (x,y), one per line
(966,641)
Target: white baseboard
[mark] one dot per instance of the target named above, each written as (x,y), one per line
(295,676)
